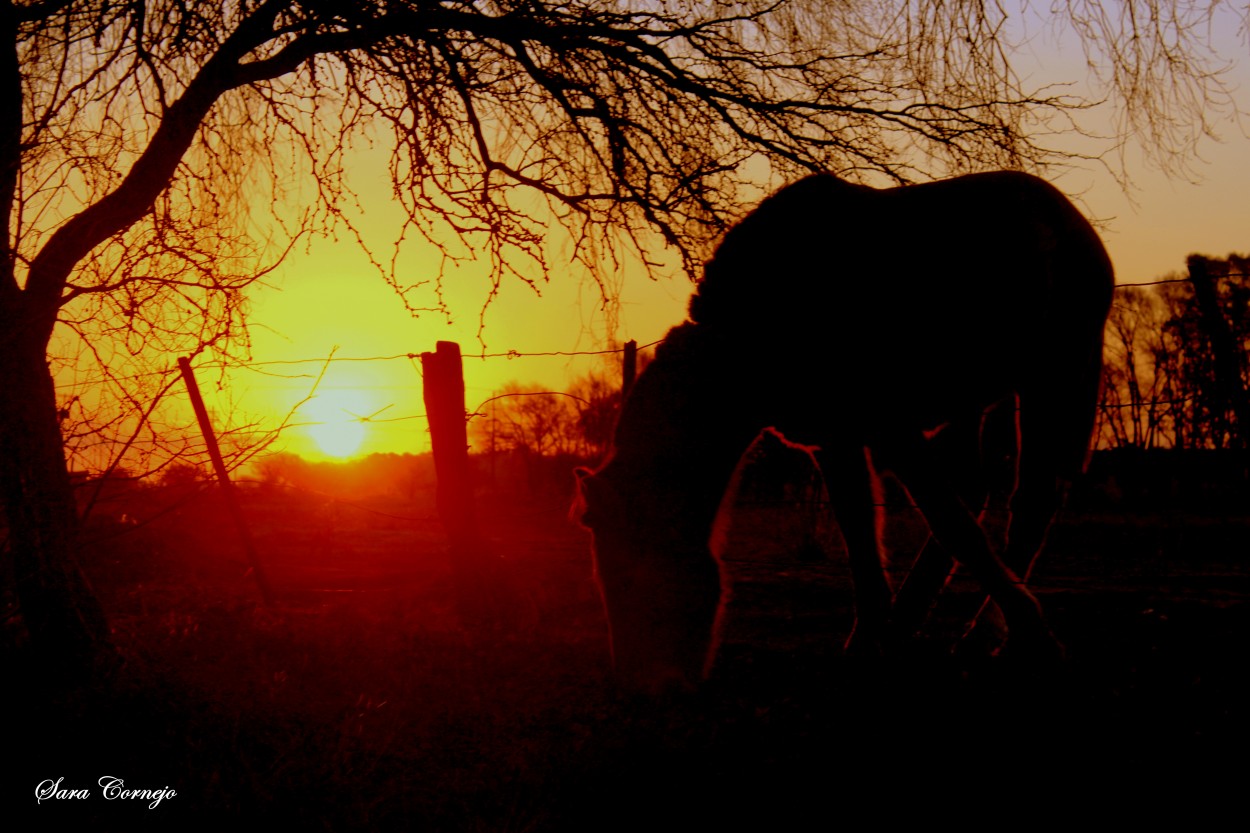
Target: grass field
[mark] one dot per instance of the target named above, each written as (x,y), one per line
(364,699)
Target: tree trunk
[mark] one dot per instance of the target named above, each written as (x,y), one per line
(63,618)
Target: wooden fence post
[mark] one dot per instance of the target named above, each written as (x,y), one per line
(629,368)
(443,392)
(223,478)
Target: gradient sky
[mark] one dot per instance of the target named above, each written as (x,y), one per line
(330,296)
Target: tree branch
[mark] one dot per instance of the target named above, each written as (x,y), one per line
(152,171)
(10,146)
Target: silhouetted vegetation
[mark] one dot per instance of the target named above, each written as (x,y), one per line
(1166,383)
(394,475)
(528,420)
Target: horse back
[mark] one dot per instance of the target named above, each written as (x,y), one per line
(939,293)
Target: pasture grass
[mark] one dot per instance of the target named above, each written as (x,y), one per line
(365,699)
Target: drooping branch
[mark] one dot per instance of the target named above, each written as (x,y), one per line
(10,142)
(154,169)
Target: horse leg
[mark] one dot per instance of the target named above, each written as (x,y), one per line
(959,448)
(1056,422)
(1033,508)
(663,624)
(957,531)
(854,493)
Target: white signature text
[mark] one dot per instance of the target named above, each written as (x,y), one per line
(111,788)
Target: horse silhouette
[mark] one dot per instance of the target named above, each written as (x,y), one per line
(873,325)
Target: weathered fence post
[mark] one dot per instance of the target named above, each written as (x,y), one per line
(223,478)
(629,368)
(443,392)
(1231,393)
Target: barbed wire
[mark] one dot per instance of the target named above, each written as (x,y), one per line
(332,359)
(510,354)
(1160,282)
(267,368)
(1229,275)
(477,412)
(257,366)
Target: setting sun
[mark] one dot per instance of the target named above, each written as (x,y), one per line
(336,422)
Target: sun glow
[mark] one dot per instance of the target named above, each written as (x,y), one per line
(337,422)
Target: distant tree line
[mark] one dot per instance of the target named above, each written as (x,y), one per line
(532,420)
(403,476)
(1176,372)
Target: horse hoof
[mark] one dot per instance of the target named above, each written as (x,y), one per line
(859,644)
(1042,650)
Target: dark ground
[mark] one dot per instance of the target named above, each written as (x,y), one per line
(364,700)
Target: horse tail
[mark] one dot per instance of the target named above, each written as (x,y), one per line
(1066,389)
(1093,276)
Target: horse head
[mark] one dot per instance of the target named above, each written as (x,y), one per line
(659,582)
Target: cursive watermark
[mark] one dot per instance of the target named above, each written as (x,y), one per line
(111,788)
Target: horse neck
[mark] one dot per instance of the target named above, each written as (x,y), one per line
(682,432)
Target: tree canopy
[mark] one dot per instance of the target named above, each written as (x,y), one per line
(153,136)
(1176,373)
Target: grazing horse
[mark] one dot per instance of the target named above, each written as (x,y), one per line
(867,324)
